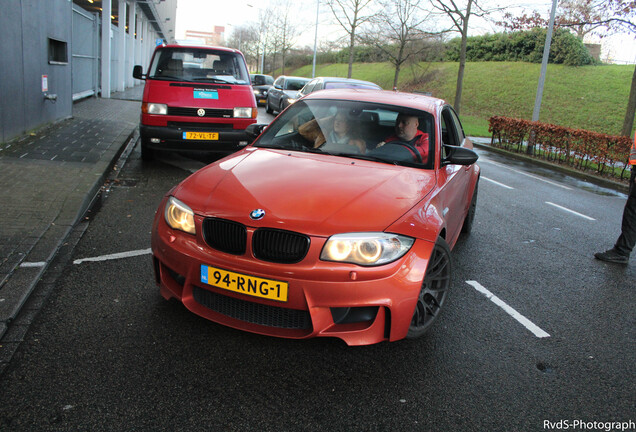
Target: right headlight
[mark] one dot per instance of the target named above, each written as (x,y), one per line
(179,216)
(366,249)
(154,108)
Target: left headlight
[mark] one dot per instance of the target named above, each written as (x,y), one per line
(179,216)
(366,249)
(240,112)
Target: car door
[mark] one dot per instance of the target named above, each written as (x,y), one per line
(453,180)
(276,92)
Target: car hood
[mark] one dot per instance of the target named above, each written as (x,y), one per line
(315,194)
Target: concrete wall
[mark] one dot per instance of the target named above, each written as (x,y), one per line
(25,29)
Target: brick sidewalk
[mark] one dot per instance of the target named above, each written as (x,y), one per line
(47,182)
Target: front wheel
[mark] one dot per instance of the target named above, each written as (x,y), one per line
(467,227)
(147,154)
(268,107)
(435,286)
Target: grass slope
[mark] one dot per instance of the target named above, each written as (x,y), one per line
(588,97)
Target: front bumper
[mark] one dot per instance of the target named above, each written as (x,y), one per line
(172,138)
(360,305)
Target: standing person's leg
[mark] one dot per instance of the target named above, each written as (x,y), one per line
(627,239)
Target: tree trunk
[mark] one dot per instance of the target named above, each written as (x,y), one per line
(628,124)
(462,61)
(396,76)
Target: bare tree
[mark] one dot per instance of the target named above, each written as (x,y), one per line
(348,13)
(286,29)
(397,31)
(459,15)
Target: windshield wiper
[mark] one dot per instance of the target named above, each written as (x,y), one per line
(365,157)
(214,80)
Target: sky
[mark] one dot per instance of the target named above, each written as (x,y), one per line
(203,15)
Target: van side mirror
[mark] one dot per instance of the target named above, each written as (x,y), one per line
(138,72)
(459,156)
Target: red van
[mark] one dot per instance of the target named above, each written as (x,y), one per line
(195,98)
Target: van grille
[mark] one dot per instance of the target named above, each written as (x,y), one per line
(193,112)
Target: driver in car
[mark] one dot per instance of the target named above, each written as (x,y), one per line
(406,131)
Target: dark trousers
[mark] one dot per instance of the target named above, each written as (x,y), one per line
(627,239)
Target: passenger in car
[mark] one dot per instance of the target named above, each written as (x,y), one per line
(407,131)
(333,134)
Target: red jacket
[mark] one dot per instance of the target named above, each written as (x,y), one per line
(420,142)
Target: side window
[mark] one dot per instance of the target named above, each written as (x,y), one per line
(449,128)
(279,82)
(458,127)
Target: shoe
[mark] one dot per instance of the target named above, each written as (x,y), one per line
(612,256)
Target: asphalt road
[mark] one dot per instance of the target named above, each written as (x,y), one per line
(535,332)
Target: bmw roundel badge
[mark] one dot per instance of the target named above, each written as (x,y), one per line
(257,214)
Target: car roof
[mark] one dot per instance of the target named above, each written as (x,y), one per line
(388,97)
(342,79)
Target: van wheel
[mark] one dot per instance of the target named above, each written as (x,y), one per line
(147,154)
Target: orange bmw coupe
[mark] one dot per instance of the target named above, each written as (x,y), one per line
(337,221)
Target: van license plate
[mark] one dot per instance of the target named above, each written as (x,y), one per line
(209,136)
(244,284)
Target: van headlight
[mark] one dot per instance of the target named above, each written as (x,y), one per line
(179,216)
(154,108)
(366,249)
(242,112)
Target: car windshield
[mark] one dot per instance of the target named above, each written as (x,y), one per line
(352,129)
(199,65)
(262,80)
(295,84)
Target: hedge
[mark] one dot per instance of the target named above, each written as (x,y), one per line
(580,149)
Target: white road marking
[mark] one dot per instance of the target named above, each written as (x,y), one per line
(529,175)
(114,256)
(509,310)
(496,182)
(570,211)
(32,264)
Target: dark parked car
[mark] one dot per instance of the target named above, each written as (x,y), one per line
(284,92)
(261,85)
(323,83)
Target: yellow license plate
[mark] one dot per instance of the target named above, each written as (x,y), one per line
(244,284)
(210,136)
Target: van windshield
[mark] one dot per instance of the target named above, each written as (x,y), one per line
(199,65)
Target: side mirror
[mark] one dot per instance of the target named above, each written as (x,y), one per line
(459,156)
(278,86)
(254,130)
(138,72)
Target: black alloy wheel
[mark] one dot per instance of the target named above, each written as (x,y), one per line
(467,227)
(434,290)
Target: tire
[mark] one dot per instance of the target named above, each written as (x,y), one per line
(268,107)
(467,227)
(147,154)
(281,106)
(435,287)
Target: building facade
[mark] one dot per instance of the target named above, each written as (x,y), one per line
(58,51)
